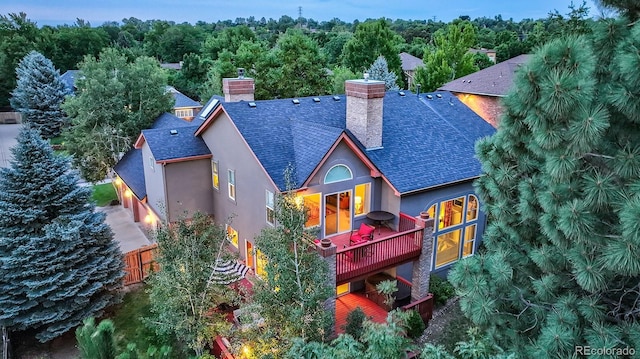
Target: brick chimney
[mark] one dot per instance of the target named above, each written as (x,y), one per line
(364,110)
(238,89)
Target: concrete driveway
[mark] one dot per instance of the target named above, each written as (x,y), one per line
(126,232)
(8,134)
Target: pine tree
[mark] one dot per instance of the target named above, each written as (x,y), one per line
(58,261)
(561,187)
(39,93)
(380,71)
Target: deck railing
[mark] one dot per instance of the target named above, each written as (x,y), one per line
(373,256)
(423,306)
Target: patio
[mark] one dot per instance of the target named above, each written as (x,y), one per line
(349,302)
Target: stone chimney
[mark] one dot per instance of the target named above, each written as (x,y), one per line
(238,89)
(364,110)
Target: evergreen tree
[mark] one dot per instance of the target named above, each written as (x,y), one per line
(58,261)
(96,342)
(380,71)
(39,93)
(562,263)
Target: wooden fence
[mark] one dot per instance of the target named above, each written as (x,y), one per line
(139,263)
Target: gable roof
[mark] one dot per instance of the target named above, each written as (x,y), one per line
(426,143)
(174,144)
(69,79)
(130,169)
(410,62)
(181,100)
(495,80)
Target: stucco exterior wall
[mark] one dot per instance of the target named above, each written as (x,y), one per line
(154,181)
(247,213)
(189,188)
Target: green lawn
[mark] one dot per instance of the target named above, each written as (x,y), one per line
(127,319)
(103,194)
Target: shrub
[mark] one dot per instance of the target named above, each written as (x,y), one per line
(415,325)
(354,323)
(442,290)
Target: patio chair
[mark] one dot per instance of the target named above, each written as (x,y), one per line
(362,234)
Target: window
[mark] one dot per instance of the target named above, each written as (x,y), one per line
(231,178)
(184,113)
(456,228)
(152,163)
(214,174)
(469,239)
(271,213)
(361,199)
(338,173)
(312,205)
(261,263)
(232,236)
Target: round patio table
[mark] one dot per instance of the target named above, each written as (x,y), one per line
(379,217)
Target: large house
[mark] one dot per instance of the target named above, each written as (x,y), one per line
(395,166)
(410,64)
(483,90)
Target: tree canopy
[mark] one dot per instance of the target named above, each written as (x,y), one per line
(560,187)
(115,100)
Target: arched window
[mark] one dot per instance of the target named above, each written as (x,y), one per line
(338,173)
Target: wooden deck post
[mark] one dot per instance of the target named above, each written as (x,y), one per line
(328,254)
(422,267)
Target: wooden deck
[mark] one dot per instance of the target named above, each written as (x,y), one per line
(349,302)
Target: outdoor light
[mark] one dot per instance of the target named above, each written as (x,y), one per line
(299,200)
(148,218)
(366,76)
(118,181)
(127,193)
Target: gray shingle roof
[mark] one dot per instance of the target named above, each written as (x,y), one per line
(426,143)
(495,80)
(410,62)
(130,169)
(69,79)
(170,143)
(182,100)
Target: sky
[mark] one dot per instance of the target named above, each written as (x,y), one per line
(57,12)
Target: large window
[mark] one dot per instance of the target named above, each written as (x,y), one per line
(338,173)
(270,204)
(232,235)
(361,199)
(214,174)
(456,227)
(231,180)
(312,205)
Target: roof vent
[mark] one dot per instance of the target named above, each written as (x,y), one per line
(252,104)
(295,101)
(401,93)
(316,99)
(336,98)
(438,95)
(173,132)
(429,97)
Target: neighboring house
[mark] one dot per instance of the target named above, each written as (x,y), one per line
(483,90)
(69,79)
(184,107)
(409,65)
(491,54)
(172,66)
(356,158)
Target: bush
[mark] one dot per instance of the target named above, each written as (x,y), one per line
(442,290)
(354,323)
(415,325)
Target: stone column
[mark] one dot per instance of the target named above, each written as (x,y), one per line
(422,267)
(328,254)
